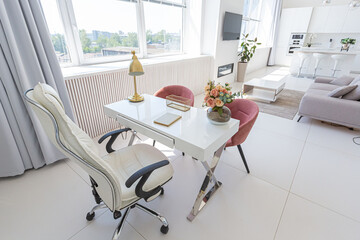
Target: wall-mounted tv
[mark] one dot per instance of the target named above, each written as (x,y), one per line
(232,26)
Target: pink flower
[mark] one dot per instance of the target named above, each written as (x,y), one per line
(206,98)
(214,92)
(210,102)
(218,102)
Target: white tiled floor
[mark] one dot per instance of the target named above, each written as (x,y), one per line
(304,185)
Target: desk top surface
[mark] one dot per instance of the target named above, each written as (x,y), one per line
(193,127)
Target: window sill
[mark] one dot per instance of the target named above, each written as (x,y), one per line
(70,72)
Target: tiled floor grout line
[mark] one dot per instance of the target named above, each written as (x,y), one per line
(69,165)
(302,151)
(261,179)
(88,224)
(136,230)
(331,210)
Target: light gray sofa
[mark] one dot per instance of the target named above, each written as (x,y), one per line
(318,105)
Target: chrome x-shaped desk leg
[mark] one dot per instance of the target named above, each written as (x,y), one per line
(203,197)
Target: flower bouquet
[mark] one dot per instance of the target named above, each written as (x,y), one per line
(216,96)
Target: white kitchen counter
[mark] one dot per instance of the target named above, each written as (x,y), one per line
(350,65)
(327,51)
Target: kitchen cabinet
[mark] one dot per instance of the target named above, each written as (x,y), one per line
(318,19)
(352,20)
(336,19)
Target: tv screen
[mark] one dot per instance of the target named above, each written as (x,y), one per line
(232,26)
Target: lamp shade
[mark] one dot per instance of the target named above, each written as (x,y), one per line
(135,68)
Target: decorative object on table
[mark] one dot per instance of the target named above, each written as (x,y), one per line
(346,42)
(135,69)
(311,38)
(178,102)
(216,96)
(177,90)
(248,48)
(167,119)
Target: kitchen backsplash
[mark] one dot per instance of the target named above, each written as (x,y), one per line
(323,40)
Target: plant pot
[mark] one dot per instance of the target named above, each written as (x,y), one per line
(345,47)
(241,71)
(219,119)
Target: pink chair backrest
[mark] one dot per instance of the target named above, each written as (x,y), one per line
(246,111)
(177,90)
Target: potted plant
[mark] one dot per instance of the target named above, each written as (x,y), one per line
(346,42)
(216,96)
(248,47)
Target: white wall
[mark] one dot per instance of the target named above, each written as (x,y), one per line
(259,60)
(224,52)
(310,3)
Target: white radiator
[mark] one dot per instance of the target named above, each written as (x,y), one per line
(89,93)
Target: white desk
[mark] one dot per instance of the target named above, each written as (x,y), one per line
(193,134)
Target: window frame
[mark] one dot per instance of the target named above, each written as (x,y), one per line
(72,38)
(249,19)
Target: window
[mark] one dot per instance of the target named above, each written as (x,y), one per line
(252,19)
(106,29)
(163,28)
(96,31)
(56,30)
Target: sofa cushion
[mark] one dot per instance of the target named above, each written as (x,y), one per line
(354,94)
(342,81)
(318,92)
(323,86)
(341,91)
(355,81)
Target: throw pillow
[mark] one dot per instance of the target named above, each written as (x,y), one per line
(354,94)
(355,81)
(342,81)
(338,92)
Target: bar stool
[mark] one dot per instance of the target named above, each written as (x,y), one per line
(303,56)
(318,58)
(337,58)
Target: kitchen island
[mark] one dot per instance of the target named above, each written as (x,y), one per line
(349,62)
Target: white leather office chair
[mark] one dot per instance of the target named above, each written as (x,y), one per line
(119,179)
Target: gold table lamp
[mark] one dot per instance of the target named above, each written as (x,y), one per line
(135,69)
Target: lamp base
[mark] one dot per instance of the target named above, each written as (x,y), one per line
(136,98)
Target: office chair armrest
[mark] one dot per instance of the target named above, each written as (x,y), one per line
(113,135)
(144,174)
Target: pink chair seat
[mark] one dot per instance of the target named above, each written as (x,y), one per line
(177,90)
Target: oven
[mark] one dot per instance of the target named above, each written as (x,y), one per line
(296,41)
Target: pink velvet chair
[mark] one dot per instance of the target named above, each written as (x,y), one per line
(246,111)
(177,90)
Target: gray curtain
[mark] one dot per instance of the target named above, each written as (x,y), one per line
(277,6)
(26,58)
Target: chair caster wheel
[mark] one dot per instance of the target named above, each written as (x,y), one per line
(162,191)
(164,229)
(89,216)
(183,153)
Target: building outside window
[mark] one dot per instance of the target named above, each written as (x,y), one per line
(97,31)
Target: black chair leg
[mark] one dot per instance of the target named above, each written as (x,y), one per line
(243,158)
(299,118)
(154,143)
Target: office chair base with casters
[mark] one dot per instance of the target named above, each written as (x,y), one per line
(164,227)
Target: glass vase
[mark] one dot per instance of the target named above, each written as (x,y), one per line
(219,119)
